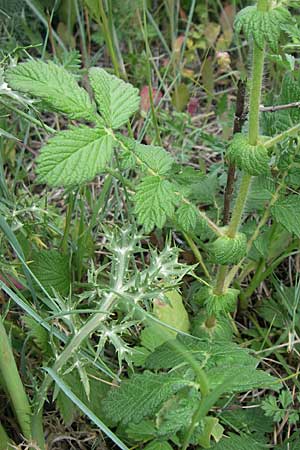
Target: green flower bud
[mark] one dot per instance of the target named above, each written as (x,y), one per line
(226,250)
(217,304)
(253,159)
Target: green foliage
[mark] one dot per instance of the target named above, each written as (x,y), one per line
(155,200)
(54,85)
(116,100)
(286,211)
(253,159)
(234,442)
(141,396)
(226,250)
(187,216)
(52,270)
(74,156)
(279,409)
(263,26)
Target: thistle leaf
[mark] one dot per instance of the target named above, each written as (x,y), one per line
(116,99)
(74,156)
(155,200)
(54,85)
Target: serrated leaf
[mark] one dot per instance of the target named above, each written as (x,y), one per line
(74,156)
(52,270)
(116,99)
(286,211)
(186,216)
(140,396)
(54,85)
(235,442)
(142,431)
(155,200)
(153,157)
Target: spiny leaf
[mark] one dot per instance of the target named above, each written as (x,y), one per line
(52,270)
(74,156)
(117,100)
(286,211)
(155,200)
(53,84)
(140,396)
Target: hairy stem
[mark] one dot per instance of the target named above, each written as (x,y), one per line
(254,105)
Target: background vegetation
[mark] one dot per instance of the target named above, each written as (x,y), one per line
(101,286)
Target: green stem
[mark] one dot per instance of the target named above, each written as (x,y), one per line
(254,104)
(197,254)
(239,205)
(219,287)
(108,38)
(277,139)
(5,442)
(13,384)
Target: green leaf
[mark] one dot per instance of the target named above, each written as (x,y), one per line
(66,408)
(158,445)
(262,26)
(172,313)
(155,200)
(151,157)
(52,270)
(142,431)
(54,85)
(39,335)
(140,396)
(117,100)
(186,216)
(74,156)
(235,442)
(286,211)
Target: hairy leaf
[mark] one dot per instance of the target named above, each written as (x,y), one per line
(74,156)
(52,270)
(235,442)
(117,100)
(286,211)
(140,396)
(155,200)
(187,216)
(53,84)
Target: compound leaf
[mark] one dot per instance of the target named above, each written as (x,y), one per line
(54,85)
(116,99)
(74,156)
(155,200)
(286,211)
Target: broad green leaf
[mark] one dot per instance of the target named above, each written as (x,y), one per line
(155,200)
(52,270)
(172,313)
(116,99)
(286,211)
(74,156)
(152,158)
(53,84)
(158,445)
(39,335)
(235,442)
(142,431)
(141,396)
(186,216)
